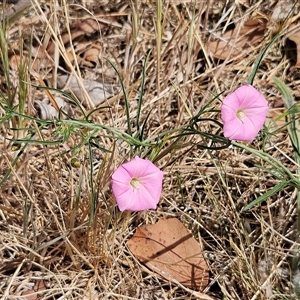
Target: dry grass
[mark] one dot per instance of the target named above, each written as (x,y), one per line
(49,229)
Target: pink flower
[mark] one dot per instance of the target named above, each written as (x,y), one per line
(243,113)
(137,185)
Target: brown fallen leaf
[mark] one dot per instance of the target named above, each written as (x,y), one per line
(36,292)
(169,249)
(294,35)
(89,25)
(276,118)
(238,40)
(79,35)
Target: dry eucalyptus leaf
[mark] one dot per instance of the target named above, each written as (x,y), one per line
(238,40)
(97,91)
(169,249)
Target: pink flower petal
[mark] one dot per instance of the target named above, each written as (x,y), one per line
(255,108)
(147,194)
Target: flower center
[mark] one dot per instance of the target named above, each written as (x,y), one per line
(240,114)
(135,183)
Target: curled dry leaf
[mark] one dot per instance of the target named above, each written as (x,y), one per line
(294,35)
(97,91)
(47,112)
(91,57)
(169,249)
(238,40)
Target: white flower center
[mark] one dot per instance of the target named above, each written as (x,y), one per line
(135,183)
(240,114)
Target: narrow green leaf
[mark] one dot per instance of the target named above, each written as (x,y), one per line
(280,186)
(141,95)
(260,58)
(124,94)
